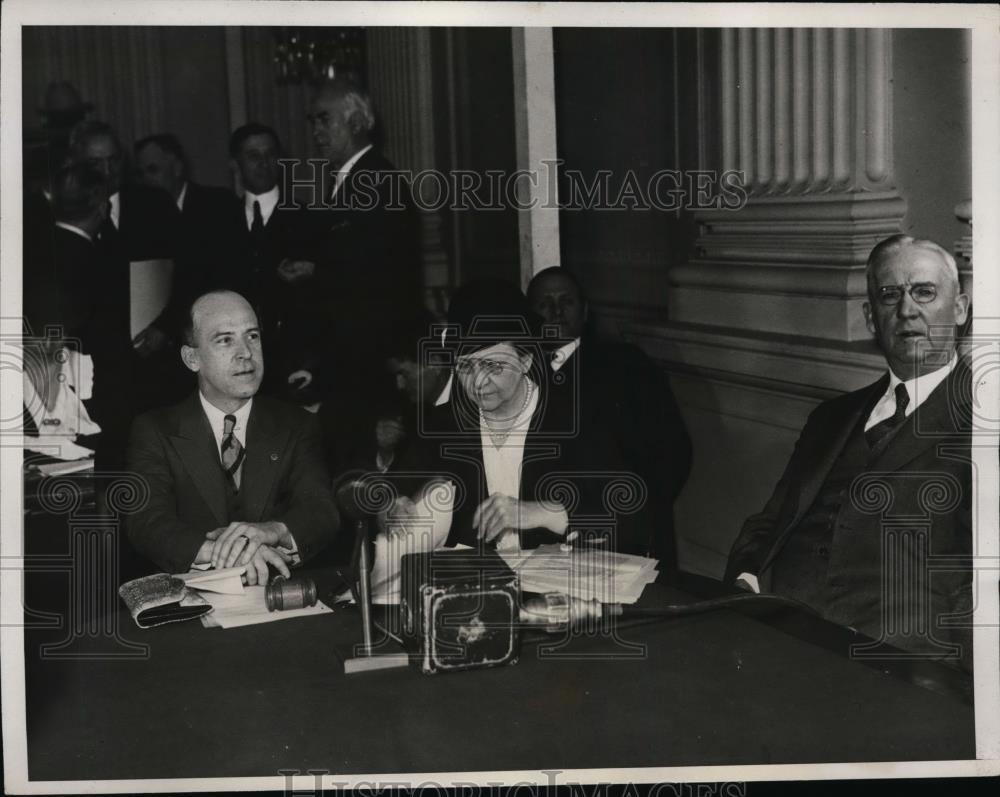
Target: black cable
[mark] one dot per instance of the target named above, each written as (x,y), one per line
(712,604)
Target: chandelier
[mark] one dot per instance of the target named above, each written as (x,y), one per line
(313,55)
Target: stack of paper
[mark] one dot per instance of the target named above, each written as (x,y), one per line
(250,608)
(586,573)
(234,604)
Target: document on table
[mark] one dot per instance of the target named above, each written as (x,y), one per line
(426,530)
(586,573)
(227,580)
(234,604)
(250,608)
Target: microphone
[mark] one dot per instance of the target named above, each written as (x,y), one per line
(362,495)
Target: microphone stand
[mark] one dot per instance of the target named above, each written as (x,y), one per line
(365,660)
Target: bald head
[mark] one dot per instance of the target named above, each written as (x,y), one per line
(342,120)
(222,346)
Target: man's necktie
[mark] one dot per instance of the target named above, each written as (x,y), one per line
(232,453)
(882,429)
(258,219)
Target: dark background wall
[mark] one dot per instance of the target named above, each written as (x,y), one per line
(932,129)
(619,109)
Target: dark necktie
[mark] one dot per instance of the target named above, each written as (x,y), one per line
(883,429)
(232,453)
(258,219)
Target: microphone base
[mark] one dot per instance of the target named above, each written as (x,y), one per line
(381,661)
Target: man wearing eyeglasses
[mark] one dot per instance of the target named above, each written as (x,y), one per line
(880,478)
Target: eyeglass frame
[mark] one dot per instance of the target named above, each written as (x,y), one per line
(882,290)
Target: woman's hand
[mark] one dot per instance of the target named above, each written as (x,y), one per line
(500,513)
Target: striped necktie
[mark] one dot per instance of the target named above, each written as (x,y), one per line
(232,453)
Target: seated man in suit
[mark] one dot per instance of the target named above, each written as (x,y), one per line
(234,479)
(614,384)
(898,450)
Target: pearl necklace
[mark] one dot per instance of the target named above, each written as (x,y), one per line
(499,436)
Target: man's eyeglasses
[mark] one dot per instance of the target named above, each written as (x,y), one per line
(920,292)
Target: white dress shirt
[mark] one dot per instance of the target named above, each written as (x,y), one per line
(918,389)
(268,202)
(563,353)
(503,464)
(183,194)
(76,230)
(345,170)
(217,420)
(115,200)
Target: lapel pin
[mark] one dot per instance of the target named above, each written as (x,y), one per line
(274,457)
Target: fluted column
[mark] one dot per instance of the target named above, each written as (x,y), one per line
(399,75)
(806,121)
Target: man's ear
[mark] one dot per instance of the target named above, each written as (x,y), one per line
(961,309)
(869,319)
(189,354)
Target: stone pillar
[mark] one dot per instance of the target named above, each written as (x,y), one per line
(806,119)
(535,128)
(400,79)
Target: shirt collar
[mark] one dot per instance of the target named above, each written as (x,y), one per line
(563,353)
(268,202)
(77,230)
(115,201)
(920,387)
(217,418)
(344,170)
(182,194)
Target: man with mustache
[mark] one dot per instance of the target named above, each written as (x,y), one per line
(234,479)
(880,478)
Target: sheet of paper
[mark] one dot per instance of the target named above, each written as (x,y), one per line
(590,574)
(227,580)
(250,608)
(150,283)
(61,448)
(426,530)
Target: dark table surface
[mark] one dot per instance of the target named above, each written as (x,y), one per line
(714,688)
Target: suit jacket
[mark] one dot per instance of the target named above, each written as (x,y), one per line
(613,388)
(284,478)
(290,316)
(204,248)
(570,470)
(922,477)
(368,263)
(74,283)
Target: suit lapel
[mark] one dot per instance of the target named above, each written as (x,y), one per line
(828,448)
(936,418)
(825,449)
(195,445)
(265,447)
